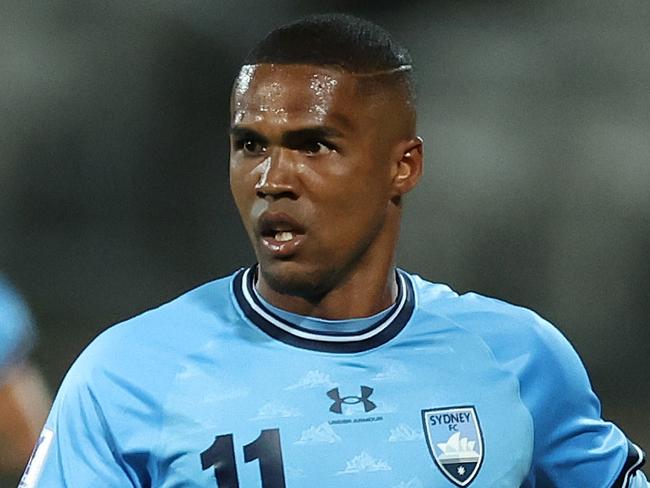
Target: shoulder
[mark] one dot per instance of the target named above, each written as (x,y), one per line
(113,399)
(148,348)
(573,445)
(510,331)
(182,316)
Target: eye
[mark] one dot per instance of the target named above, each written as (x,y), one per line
(254,147)
(251,147)
(317,147)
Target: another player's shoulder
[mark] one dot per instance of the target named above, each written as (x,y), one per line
(16,328)
(14,313)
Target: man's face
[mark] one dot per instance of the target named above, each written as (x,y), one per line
(310,173)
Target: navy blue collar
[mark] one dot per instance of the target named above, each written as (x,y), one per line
(283,330)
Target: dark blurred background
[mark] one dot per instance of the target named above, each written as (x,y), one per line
(535,114)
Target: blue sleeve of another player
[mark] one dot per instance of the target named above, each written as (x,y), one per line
(16,328)
(76,447)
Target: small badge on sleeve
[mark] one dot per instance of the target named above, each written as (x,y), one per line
(37,460)
(455,442)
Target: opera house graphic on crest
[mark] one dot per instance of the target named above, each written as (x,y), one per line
(455,442)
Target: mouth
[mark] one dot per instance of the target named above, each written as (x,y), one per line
(280,234)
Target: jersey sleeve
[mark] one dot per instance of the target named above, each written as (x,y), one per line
(76,447)
(638,480)
(573,445)
(630,476)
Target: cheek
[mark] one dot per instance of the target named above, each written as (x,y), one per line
(355,185)
(240,187)
(355,203)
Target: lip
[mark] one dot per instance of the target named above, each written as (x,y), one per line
(271,223)
(283,249)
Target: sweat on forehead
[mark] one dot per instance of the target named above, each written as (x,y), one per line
(319,79)
(313,94)
(282,89)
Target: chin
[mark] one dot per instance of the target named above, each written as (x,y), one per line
(290,278)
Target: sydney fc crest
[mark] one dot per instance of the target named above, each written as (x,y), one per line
(455,442)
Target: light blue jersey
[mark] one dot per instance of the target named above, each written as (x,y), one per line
(215,389)
(16,328)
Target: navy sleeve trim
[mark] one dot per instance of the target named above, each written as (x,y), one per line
(635,459)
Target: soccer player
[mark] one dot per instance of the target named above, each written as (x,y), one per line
(24,400)
(323,365)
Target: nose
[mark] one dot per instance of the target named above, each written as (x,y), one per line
(277,176)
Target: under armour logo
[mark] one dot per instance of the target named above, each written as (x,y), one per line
(337,406)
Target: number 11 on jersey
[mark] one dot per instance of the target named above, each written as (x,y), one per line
(266,448)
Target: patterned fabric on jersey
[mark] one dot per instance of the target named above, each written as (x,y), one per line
(215,389)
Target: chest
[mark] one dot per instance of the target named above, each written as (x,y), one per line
(433,412)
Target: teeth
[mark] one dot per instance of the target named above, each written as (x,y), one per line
(283,236)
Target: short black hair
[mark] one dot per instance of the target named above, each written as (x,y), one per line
(353,44)
(344,42)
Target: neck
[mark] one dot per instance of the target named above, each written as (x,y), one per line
(363,289)
(355,297)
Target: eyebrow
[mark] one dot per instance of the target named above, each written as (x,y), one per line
(239,132)
(318,132)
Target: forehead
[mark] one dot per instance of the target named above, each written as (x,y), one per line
(285,92)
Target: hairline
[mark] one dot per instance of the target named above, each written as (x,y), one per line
(404,85)
(402,68)
(405,70)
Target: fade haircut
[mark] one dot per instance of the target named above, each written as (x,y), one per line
(342,41)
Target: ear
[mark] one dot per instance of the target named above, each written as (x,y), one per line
(407,170)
